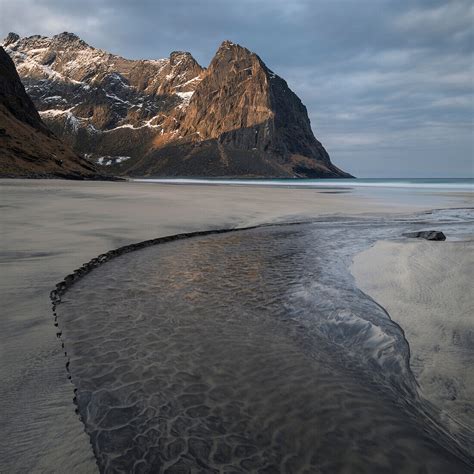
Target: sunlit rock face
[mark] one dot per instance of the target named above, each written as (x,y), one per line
(170,116)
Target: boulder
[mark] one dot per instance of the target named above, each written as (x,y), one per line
(427,235)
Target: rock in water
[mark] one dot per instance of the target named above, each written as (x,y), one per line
(27,147)
(171,117)
(426,234)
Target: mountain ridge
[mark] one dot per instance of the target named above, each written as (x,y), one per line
(28,149)
(171,117)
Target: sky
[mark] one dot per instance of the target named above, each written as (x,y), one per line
(388,84)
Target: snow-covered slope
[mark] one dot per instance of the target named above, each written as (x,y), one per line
(93,98)
(28,149)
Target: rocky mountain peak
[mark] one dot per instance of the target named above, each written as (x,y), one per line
(182,64)
(11,38)
(231,96)
(66,37)
(177,57)
(139,111)
(229,50)
(227,44)
(239,61)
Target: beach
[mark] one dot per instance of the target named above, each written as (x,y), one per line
(428,292)
(49,228)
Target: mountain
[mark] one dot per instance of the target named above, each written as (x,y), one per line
(27,147)
(170,117)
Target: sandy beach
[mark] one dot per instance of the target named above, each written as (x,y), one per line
(426,287)
(50,228)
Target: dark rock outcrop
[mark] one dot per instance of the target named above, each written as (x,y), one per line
(11,38)
(426,234)
(171,117)
(27,147)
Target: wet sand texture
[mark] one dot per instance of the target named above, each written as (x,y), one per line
(225,352)
(429,292)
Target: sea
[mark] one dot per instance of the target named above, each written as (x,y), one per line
(461,184)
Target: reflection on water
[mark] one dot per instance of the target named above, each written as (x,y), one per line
(251,352)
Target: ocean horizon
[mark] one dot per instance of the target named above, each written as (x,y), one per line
(464,184)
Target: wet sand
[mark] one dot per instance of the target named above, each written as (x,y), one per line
(426,287)
(51,227)
(224,353)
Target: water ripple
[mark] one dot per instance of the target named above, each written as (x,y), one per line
(248,351)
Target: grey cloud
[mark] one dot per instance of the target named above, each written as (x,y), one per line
(452,18)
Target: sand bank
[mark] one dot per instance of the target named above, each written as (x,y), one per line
(426,287)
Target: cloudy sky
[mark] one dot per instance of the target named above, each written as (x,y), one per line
(388,83)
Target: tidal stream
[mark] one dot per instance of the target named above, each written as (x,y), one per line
(253,351)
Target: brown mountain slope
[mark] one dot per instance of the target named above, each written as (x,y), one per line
(242,120)
(170,117)
(27,147)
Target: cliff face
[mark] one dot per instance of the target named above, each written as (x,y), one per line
(27,147)
(248,108)
(171,117)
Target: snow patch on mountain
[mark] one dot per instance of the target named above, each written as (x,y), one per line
(112,160)
(185,97)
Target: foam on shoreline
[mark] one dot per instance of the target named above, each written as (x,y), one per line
(463,185)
